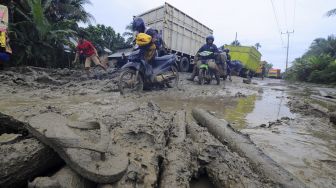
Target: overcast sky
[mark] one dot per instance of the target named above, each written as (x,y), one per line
(253,20)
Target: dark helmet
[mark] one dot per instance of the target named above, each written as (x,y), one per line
(227,50)
(210,37)
(151,32)
(138,25)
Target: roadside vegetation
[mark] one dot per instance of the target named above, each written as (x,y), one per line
(318,64)
(40,31)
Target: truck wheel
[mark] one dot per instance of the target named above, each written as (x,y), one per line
(184,64)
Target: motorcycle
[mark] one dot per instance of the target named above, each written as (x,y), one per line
(205,75)
(136,75)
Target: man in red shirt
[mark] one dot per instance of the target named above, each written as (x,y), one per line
(86,48)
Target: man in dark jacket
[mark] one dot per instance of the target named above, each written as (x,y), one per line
(210,47)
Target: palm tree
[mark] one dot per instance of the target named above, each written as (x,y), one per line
(257,45)
(41,29)
(70,10)
(128,34)
(235,43)
(331,12)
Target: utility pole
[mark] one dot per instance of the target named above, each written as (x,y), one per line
(288,33)
(236,39)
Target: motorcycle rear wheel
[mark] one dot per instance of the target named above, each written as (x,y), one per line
(174,81)
(130,82)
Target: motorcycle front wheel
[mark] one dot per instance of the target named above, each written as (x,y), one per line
(130,81)
(173,82)
(201,76)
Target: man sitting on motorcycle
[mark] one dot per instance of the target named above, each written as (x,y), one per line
(209,46)
(145,39)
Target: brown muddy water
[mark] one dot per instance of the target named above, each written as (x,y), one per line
(241,112)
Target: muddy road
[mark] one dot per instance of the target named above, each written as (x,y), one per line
(282,119)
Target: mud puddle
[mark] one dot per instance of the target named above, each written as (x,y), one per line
(304,145)
(241,111)
(307,152)
(270,106)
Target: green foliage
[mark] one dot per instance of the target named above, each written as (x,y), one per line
(41,29)
(104,37)
(37,37)
(257,45)
(128,34)
(268,66)
(318,64)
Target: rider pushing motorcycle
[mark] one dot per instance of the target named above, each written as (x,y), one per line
(210,47)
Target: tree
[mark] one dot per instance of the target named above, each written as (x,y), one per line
(104,37)
(257,45)
(331,12)
(41,28)
(323,46)
(235,43)
(128,34)
(37,41)
(318,64)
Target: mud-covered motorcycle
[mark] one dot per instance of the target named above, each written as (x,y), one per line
(205,75)
(135,75)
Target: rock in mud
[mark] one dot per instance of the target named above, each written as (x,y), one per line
(247,81)
(9,138)
(332,118)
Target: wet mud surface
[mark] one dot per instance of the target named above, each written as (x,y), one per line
(277,116)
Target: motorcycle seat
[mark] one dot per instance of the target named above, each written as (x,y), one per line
(164,58)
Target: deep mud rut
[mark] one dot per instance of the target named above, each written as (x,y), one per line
(276,115)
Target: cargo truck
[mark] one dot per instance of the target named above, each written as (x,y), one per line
(181,34)
(249,56)
(274,73)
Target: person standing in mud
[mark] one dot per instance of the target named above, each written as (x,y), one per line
(228,63)
(263,71)
(86,48)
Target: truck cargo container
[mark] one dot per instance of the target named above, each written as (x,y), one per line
(249,56)
(274,73)
(182,34)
